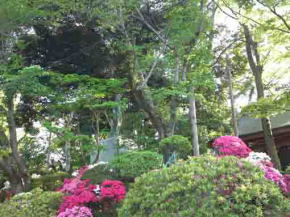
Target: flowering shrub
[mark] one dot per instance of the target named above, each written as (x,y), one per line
(259,158)
(113,190)
(274,175)
(80,195)
(231,146)
(205,186)
(287,183)
(77,211)
(70,185)
(100,173)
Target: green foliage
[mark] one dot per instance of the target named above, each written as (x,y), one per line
(288,170)
(5,152)
(36,203)
(143,136)
(99,174)
(15,13)
(50,182)
(176,143)
(205,186)
(269,106)
(25,81)
(132,164)
(82,145)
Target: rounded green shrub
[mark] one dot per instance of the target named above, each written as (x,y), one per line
(36,203)
(132,164)
(205,186)
(287,170)
(99,173)
(50,182)
(176,143)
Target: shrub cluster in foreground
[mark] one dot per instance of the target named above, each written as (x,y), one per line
(205,186)
(36,203)
(237,182)
(234,146)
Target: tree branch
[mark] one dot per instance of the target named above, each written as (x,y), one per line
(274,11)
(225,49)
(246,17)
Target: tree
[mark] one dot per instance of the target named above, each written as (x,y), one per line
(23,82)
(255,62)
(257,69)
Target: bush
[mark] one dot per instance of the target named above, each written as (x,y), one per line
(231,146)
(132,164)
(36,203)
(50,182)
(99,173)
(287,170)
(86,199)
(205,186)
(178,144)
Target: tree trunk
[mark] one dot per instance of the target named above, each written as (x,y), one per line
(257,69)
(232,99)
(143,97)
(145,102)
(193,123)
(67,147)
(19,161)
(96,131)
(192,113)
(7,165)
(174,102)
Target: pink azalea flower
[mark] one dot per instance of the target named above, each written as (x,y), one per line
(76,211)
(231,145)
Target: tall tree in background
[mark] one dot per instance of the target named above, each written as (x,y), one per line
(272,27)
(13,80)
(232,97)
(257,69)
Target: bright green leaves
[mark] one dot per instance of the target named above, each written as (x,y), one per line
(37,203)
(204,186)
(26,81)
(75,92)
(132,164)
(177,144)
(185,23)
(267,107)
(15,13)
(81,145)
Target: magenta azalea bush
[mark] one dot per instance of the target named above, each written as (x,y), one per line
(82,198)
(76,211)
(113,190)
(232,145)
